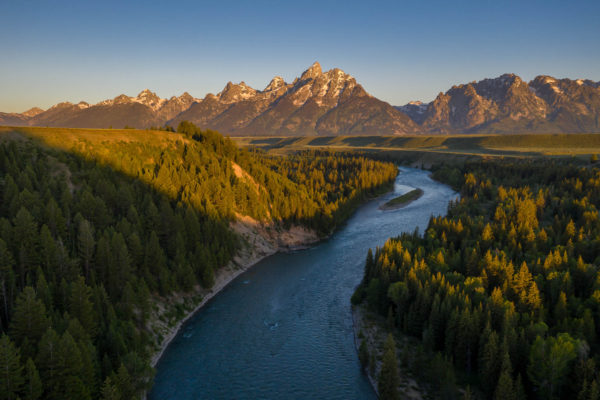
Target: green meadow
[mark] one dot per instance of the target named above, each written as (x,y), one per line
(531,145)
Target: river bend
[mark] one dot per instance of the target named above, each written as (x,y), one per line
(283,329)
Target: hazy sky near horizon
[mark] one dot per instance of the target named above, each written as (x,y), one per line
(52,51)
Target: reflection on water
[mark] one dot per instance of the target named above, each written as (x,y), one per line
(284,328)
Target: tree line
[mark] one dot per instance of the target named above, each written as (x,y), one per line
(505,288)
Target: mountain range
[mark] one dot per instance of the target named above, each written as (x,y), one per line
(333,103)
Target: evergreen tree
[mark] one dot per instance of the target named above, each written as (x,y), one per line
(388,376)
(520,389)
(26,242)
(86,243)
(490,362)
(29,321)
(123,382)
(33,385)
(48,362)
(208,276)
(6,277)
(11,371)
(594,391)
(109,391)
(69,369)
(505,389)
(549,363)
(81,307)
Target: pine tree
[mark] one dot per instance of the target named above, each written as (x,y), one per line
(487,235)
(120,266)
(549,363)
(11,371)
(33,385)
(490,363)
(560,310)
(43,290)
(520,389)
(29,319)
(85,245)
(123,382)
(109,391)
(47,360)
(6,276)
(208,276)
(81,307)
(26,238)
(505,389)
(48,248)
(388,376)
(594,391)
(69,367)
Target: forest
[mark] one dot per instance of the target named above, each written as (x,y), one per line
(91,236)
(504,290)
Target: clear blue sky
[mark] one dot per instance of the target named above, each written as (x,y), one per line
(52,51)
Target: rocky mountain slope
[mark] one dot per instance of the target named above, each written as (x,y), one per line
(507,104)
(316,103)
(333,103)
(142,111)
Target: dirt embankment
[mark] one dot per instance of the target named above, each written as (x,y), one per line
(259,241)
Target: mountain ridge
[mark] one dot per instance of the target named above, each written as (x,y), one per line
(333,103)
(507,104)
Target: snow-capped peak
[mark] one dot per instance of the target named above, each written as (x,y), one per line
(414,107)
(275,84)
(149,99)
(236,92)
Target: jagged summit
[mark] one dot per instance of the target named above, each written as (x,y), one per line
(318,102)
(236,92)
(312,72)
(32,112)
(276,83)
(508,104)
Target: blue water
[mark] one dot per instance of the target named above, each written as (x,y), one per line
(283,329)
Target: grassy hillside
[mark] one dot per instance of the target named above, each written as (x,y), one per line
(487,145)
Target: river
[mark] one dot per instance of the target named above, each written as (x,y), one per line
(283,329)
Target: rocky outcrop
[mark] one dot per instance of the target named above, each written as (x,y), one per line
(316,103)
(507,104)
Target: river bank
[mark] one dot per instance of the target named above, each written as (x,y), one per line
(260,242)
(370,328)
